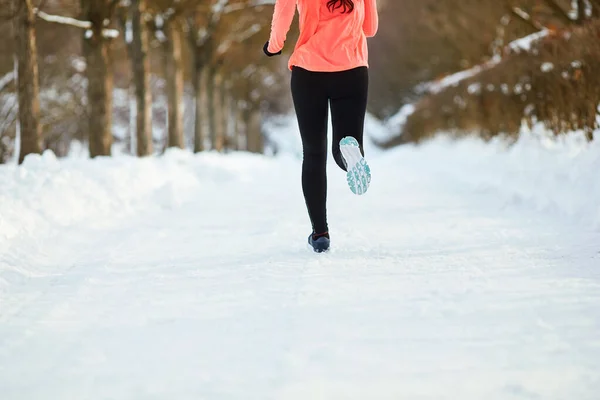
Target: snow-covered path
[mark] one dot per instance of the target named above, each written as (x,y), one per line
(205,289)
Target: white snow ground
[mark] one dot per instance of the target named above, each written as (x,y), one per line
(467,272)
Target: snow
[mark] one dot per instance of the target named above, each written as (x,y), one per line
(469,271)
(110,33)
(87,25)
(395,124)
(474,88)
(6,80)
(218,6)
(548,175)
(57,19)
(455,79)
(525,43)
(129,30)
(547,67)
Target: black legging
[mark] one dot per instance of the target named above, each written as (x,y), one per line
(312,92)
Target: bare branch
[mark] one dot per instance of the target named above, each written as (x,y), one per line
(63,20)
(231,8)
(57,19)
(524,16)
(561,14)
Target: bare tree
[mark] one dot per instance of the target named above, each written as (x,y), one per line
(27,78)
(212,32)
(97,50)
(175,81)
(140,61)
(201,42)
(8,116)
(219,37)
(170,29)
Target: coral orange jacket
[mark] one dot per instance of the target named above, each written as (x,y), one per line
(329,41)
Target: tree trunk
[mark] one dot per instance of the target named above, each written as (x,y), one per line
(100,80)
(199,133)
(100,86)
(254,137)
(595,8)
(581,17)
(210,106)
(174,77)
(226,116)
(27,79)
(141,78)
(238,127)
(218,111)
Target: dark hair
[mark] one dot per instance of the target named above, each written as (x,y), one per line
(333,5)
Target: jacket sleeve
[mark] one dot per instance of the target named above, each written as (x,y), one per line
(371,23)
(281,23)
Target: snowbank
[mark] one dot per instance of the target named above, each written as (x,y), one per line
(552,175)
(394,125)
(46,192)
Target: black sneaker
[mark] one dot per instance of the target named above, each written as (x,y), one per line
(320,243)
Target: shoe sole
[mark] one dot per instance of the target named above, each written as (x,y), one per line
(359,172)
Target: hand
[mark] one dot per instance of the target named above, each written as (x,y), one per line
(265,49)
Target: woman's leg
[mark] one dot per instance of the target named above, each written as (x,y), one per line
(311,105)
(348,91)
